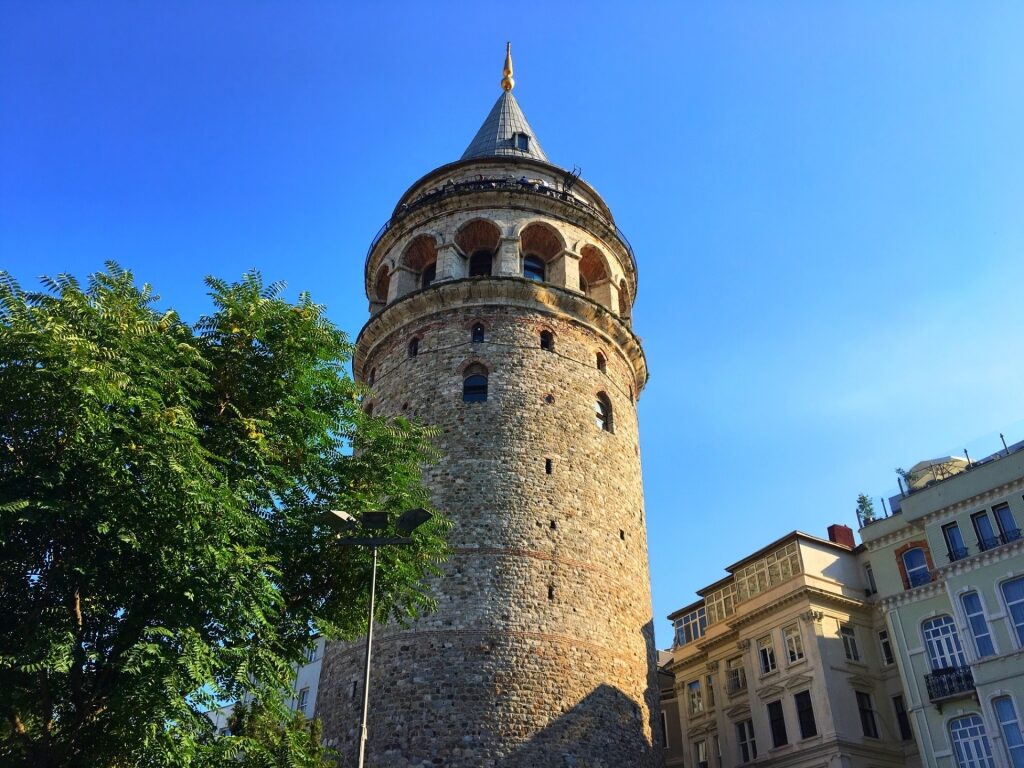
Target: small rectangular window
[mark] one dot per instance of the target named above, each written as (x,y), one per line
(979,626)
(303,700)
(886,645)
(794,643)
(548,466)
(700,753)
(867,715)
(777,720)
(902,719)
(694,697)
(745,741)
(766,655)
(849,636)
(1008,530)
(522,142)
(805,714)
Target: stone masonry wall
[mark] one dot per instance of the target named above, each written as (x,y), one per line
(541,651)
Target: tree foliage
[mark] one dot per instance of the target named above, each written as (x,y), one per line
(165,541)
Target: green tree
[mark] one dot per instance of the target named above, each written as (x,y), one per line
(165,536)
(865,509)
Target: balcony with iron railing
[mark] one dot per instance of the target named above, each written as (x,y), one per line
(949,683)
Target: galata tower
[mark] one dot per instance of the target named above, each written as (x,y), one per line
(500,295)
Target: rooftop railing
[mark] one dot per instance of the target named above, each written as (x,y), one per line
(508,183)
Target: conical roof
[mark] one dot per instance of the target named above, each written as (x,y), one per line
(503,132)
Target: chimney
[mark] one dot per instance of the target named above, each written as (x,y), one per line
(841,535)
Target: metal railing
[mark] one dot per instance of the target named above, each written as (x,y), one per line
(735,683)
(949,682)
(526,186)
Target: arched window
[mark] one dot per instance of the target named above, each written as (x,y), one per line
(943,643)
(602,364)
(480,264)
(414,347)
(428,275)
(474,385)
(533,268)
(478,333)
(916,566)
(372,377)
(603,412)
(547,341)
(970,744)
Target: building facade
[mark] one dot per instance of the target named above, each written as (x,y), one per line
(500,294)
(785,662)
(949,567)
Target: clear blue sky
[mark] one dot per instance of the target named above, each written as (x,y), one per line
(826,201)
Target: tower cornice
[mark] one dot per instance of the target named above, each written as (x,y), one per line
(543,298)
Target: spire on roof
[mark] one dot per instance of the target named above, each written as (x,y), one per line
(505,132)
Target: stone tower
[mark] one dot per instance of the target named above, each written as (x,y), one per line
(500,295)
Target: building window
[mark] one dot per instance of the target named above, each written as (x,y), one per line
(943,643)
(1007,525)
(414,347)
(602,365)
(849,635)
(709,686)
(700,753)
(1013,740)
(477,334)
(311,655)
(428,275)
(805,714)
(979,626)
(303,701)
(916,565)
(603,412)
(766,655)
(777,720)
(902,718)
(869,577)
(691,626)
(1013,593)
(474,386)
(956,549)
(970,744)
(794,643)
(718,750)
(547,341)
(664,730)
(533,268)
(745,740)
(521,141)
(480,264)
(696,702)
(867,715)
(984,530)
(762,574)
(886,644)
(736,675)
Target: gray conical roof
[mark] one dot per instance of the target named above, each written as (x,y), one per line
(495,137)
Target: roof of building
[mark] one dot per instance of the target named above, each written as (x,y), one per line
(497,136)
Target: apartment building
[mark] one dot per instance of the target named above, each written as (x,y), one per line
(949,568)
(785,662)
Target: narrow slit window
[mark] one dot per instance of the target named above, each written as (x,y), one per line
(603,412)
(477,333)
(551,593)
(602,364)
(554,525)
(548,466)
(414,347)
(622,534)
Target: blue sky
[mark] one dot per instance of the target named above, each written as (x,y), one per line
(825,200)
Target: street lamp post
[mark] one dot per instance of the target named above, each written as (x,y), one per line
(407,522)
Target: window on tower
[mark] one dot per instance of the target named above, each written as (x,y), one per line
(428,275)
(533,268)
(480,263)
(521,141)
(547,341)
(474,386)
(414,347)
(601,363)
(477,333)
(603,412)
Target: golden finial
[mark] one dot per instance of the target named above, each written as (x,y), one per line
(507,83)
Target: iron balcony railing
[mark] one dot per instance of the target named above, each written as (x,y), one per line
(506,183)
(949,682)
(735,684)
